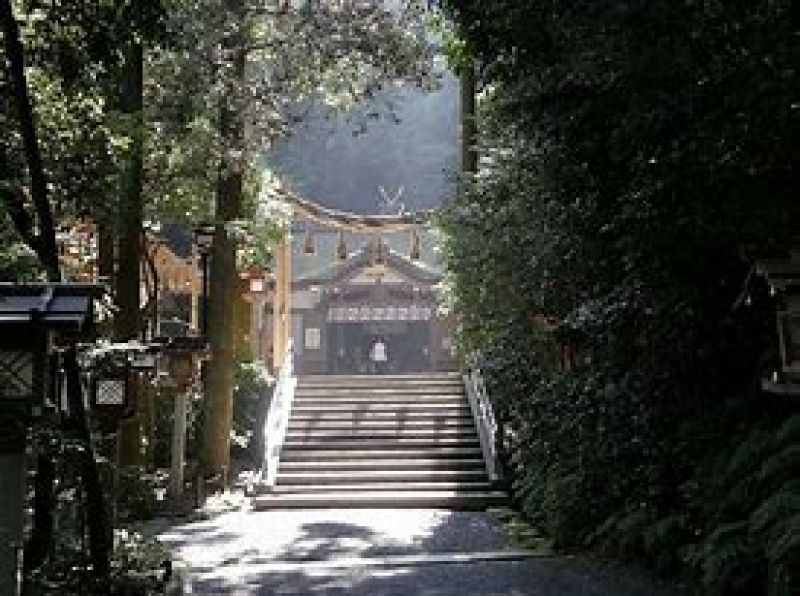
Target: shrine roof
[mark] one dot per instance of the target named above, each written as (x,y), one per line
(324,265)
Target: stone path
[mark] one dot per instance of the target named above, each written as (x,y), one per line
(378,552)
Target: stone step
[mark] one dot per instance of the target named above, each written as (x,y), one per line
(383,382)
(348,433)
(383,413)
(397,400)
(376,487)
(366,405)
(450,499)
(346,464)
(378,391)
(305,407)
(356,477)
(377,379)
(380,444)
(376,455)
(397,424)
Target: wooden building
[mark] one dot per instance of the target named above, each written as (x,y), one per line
(341,307)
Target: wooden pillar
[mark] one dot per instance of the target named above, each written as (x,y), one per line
(287,292)
(281,308)
(196,280)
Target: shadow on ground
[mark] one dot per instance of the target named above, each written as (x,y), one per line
(537,577)
(296,553)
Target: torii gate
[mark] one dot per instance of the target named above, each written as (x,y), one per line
(343,221)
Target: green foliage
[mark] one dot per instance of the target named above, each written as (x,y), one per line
(17,260)
(73,54)
(138,564)
(252,383)
(751,497)
(137,569)
(636,162)
(135,495)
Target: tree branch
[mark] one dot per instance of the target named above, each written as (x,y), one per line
(45,245)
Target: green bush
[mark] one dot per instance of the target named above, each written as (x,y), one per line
(252,383)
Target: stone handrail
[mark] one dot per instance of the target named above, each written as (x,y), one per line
(485,421)
(280,407)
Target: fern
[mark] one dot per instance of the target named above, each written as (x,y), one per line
(784,464)
(784,545)
(778,507)
(789,433)
(723,554)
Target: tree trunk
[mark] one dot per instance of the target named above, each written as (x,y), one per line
(105,251)
(39,234)
(42,241)
(218,404)
(127,323)
(99,546)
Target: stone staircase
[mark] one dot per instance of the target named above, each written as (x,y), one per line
(381,441)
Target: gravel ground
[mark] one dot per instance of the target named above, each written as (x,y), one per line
(378,552)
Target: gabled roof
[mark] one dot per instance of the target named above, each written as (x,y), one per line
(324,265)
(360,260)
(54,305)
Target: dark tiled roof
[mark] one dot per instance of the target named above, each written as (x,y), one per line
(54,305)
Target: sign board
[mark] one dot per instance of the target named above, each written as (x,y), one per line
(312,338)
(364,314)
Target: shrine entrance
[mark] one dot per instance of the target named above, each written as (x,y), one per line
(344,281)
(350,345)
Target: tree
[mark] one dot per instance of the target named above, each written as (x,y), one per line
(42,242)
(56,88)
(255,69)
(637,161)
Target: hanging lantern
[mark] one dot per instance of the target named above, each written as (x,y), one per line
(341,248)
(414,252)
(378,258)
(310,247)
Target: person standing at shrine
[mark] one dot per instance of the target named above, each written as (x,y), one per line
(379,356)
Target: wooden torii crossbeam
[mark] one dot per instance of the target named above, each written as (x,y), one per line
(353,222)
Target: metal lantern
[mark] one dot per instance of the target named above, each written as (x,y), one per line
(789,336)
(181,355)
(378,257)
(309,247)
(204,237)
(341,247)
(257,289)
(414,252)
(30,315)
(783,277)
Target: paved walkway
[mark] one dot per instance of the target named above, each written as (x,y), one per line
(376,553)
